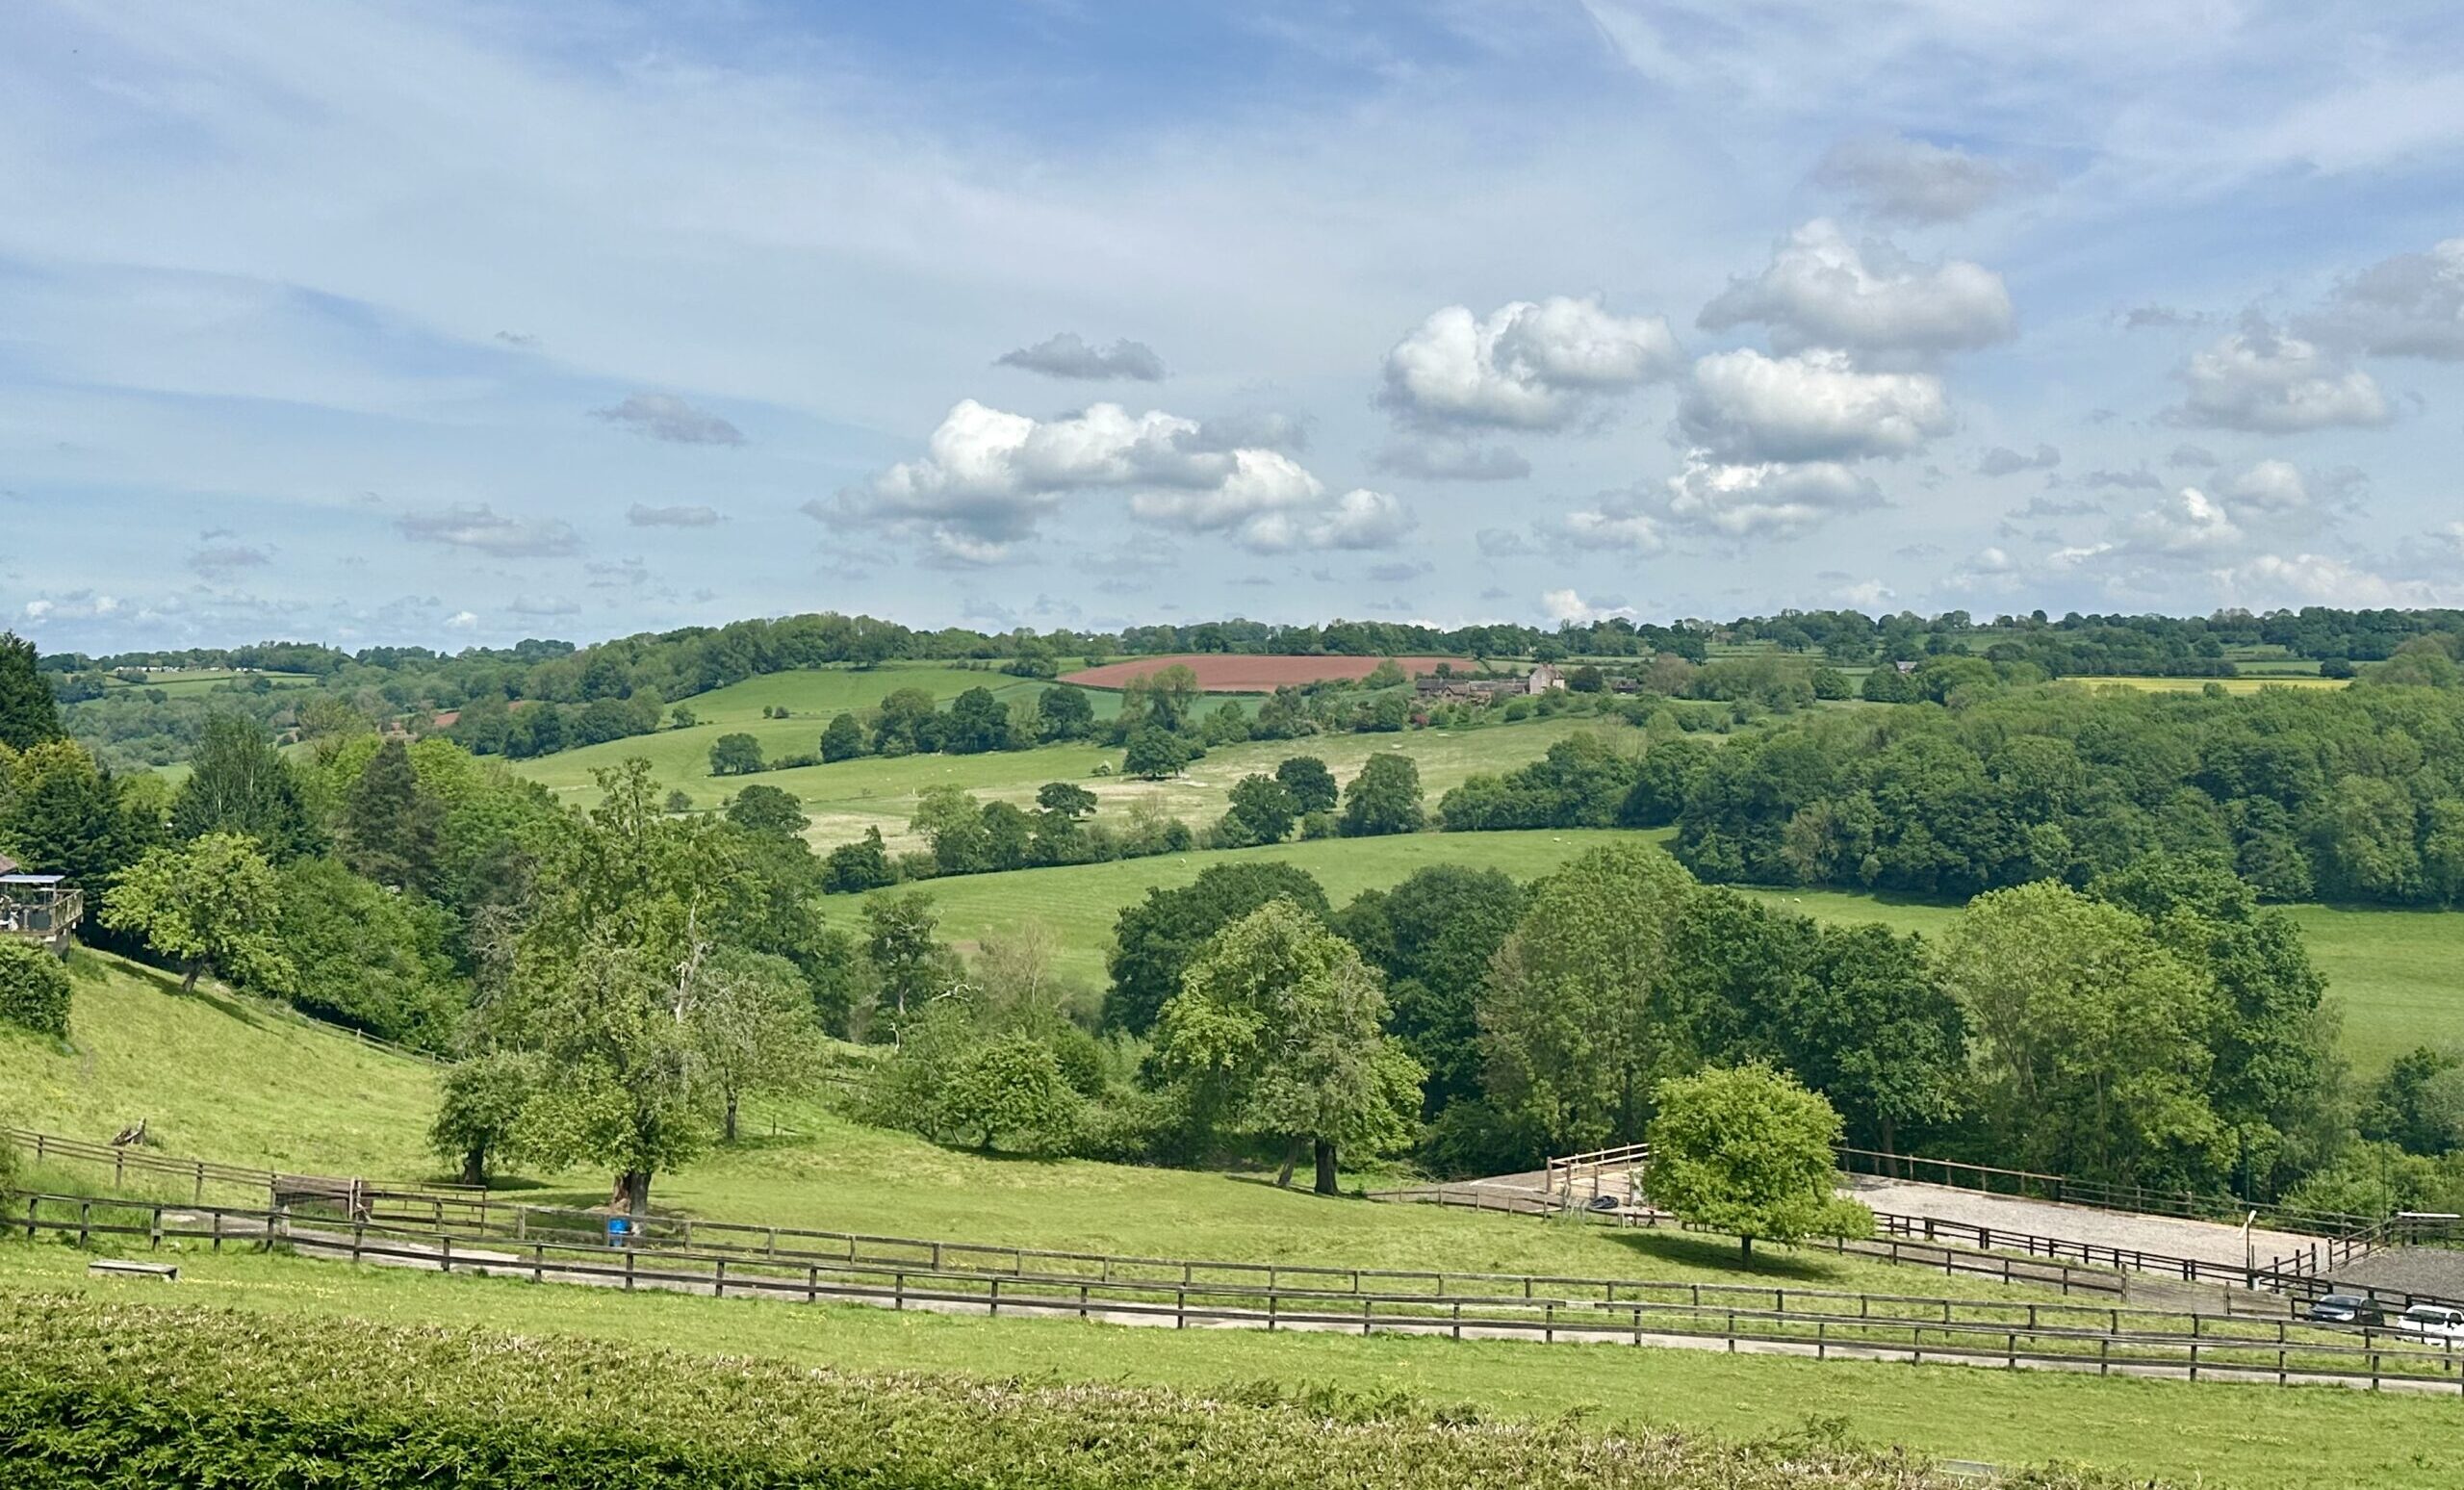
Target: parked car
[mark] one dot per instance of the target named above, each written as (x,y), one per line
(2346,1309)
(2432,1321)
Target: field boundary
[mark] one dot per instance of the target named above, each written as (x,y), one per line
(2267,1351)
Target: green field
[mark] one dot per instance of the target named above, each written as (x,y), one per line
(846,797)
(197,681)
(2198,685)
(221,1078)
(1079,903)
(2244,1437)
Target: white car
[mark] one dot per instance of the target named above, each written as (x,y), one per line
(2431,1322)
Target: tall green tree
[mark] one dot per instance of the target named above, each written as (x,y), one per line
(2276,1074)
(478,1120)
(1278,1032)
(908,956)
(843,739)
(29,715)
(1748,1150)
(1261,811)
(63,813)
(1434,937)
(1384,798)
(390,823)
(767,809)
(1871,1028)
(239,783)
(754,1029)
(735,755)
(2087,1039)
(1311,784)
(1579,1019)
(1154,940)
(210,904)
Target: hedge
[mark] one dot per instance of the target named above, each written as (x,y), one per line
(34,989)
(98,1394)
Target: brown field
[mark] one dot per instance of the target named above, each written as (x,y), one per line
(1231,673)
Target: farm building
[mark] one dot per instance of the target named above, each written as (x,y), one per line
(38,906)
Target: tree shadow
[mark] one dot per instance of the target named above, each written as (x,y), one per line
(1696,1249)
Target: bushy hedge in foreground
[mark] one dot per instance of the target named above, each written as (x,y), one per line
(94,1394)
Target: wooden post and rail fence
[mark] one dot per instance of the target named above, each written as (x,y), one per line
(1811,1322)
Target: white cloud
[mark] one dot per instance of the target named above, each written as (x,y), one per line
(2191,524)
(463,621)
(1569,607)
(1605,526)
(482,529)
(1444,457)
(989,477)
(1525,365)
(1068,355)
(1820,290)
(1867,594)
(1744,406)
(641,515)
(2258,380)
(2270,486)
(1911,180)
(2411,305)
(2274,579)
(1764,499)
(667,417)
(2002,461)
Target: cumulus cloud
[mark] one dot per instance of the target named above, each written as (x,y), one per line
(1820,290)
(1813,406)
(2411,305)
(2141,479)
(2190,457)
(640,515)
(2272,486)
(217,561)
(1526,364)
(463,621)
(481,530)
(989,477)
(1612,524)
(1067,354)
(1913,180)
(1568,607)
(2275,580)
(2002,461)
(2260,380)
(667,417)
(1359,519)
(1439,457)
(1764,499)
(2190,523)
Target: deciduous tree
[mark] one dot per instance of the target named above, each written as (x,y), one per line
(211,903)
(1278,1032)
(1748,1150)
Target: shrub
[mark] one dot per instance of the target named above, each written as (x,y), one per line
(117,1396)
(34,989)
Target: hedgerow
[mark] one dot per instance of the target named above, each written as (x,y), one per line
(34,989)
(105,1394)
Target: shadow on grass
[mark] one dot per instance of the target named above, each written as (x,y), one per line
(1770,1260)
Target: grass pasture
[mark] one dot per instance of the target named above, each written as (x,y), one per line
(843,798)
(2233,686)
(197,681)
(2233,1437)
(216,1075)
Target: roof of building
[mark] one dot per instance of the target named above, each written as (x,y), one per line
(32,878)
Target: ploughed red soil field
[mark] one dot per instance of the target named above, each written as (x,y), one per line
(1219,672)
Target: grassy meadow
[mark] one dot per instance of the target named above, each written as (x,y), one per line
(2235,686)
(843,798)
(2232,1437)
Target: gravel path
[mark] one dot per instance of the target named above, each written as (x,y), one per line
(2205,1241)
(2436,1270)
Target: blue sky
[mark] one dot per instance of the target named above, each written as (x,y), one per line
(456,324)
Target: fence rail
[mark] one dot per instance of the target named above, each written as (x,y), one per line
(1808,1321)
